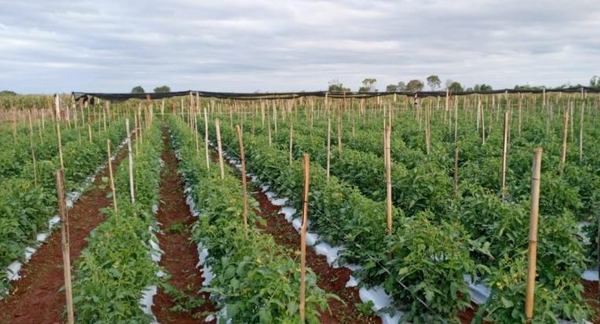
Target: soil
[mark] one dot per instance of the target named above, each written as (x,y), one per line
(38,296)
(330,279)
(181,257)
(592,297)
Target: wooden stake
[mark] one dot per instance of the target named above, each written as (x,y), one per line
(244,180)
(581,132)
(111,178)
(533,227)
(303,238)
(456,156)
(339,134)
(32,148)
(196,136)
(130,153)
(60,153)
(563,155)
(206,139)
(328,146)
(219,147)
(269,132)
(504,154)
(64,231)
(388,175)
(482,127)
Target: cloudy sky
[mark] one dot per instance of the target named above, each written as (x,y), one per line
(281,45)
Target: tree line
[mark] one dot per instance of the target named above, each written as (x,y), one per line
(435,83)
(161,89)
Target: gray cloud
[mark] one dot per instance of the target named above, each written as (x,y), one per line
(237,45)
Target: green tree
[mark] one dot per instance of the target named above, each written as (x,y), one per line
(482,87)
(368,85)
(414,85)
(434,82)
(595,82)
(528,87)
(7,93)
(162,89)
(391,88)
(337,86)
(137,89)
(401,86)
(455,87)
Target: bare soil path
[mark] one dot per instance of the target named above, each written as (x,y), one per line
(181,257)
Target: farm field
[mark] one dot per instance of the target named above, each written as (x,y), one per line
(418,209)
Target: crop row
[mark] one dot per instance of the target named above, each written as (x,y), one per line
(27,206)
(255,280)
(117,265)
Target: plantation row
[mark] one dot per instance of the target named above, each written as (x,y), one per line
(28,189)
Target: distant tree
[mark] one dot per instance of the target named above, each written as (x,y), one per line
(137,89)
(368,85)
(434,82)
(455,87)
(482,87)
(414,85)
(528,87)
(401,86)
(162,89)
(7,93)
(595,82)
(391,88)
(337,86)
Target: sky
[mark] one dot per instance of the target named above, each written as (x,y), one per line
(293,45)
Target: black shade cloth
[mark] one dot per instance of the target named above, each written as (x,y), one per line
(290,95)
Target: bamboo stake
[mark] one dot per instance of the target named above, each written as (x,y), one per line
(504,154)
(388,175)
(64,231)
(456,156)
(269,132)
(328,146)
(303,238)
(111,178)
(60,153)
(291,140)
(244,180)
(339,134)
(90,132)
(32,148)
(219,147)
(482,127)
(533,227)
(563,155)
(130,154)
(196,136)
(206,139)
(581,132)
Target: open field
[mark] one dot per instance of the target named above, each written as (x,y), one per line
(419,208)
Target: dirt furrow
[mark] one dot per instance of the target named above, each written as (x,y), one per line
(180,256)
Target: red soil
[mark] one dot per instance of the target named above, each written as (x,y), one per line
(592,297)
(38,297)
(330,279)
(180,257)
